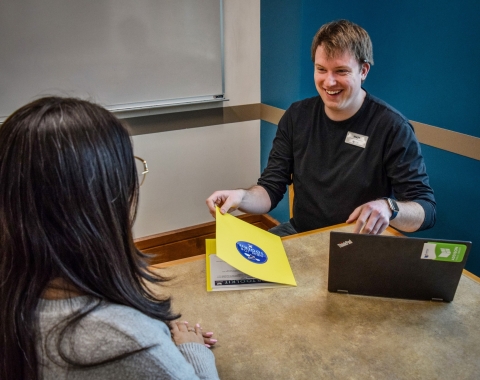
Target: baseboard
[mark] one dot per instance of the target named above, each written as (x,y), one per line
(190,241)
(471,276)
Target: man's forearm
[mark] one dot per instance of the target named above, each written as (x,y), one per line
(410,217)
(255,201)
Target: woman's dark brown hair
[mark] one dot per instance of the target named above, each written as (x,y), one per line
(68,196)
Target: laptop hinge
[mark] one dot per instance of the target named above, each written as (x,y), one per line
(342,291)
(437,299)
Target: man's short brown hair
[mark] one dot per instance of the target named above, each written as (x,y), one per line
(340,36)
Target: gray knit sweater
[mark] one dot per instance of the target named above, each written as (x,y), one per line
(110,331)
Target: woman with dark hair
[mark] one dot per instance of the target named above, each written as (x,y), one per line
(73,296)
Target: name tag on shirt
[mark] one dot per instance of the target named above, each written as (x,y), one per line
(356,139)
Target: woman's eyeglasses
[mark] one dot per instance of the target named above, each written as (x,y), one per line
(142,169)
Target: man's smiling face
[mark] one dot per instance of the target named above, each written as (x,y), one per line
(339,82)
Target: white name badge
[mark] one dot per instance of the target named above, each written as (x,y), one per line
(356,139)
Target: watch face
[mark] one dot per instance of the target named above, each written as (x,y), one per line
(393,205)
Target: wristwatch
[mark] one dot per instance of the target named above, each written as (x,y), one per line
(393,206)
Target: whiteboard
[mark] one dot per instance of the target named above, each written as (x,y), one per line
(123,54)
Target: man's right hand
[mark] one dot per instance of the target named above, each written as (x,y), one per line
(227,200)
(254,200)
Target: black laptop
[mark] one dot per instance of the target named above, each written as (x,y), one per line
(396,267)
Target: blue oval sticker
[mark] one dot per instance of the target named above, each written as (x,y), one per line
(251,252)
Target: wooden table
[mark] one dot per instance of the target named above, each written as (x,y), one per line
(305,332)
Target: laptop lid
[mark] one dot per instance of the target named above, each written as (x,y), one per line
(396,267)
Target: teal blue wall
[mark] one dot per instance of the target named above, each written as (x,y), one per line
(281,27)
(426,55)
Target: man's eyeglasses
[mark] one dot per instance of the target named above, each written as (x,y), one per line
(142,169)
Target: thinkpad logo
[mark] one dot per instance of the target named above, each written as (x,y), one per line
(341,245)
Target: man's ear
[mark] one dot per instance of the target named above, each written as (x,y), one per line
(364,70)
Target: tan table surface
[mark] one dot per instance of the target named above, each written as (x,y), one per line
(305,332)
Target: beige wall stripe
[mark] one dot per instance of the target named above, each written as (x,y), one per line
(141,125)
(245,112)
(271,114)
(455,142)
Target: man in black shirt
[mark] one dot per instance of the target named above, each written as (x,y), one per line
(351,156)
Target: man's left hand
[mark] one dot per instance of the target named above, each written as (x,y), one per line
(372,217)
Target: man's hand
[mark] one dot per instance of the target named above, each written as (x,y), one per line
(372,217)
(254,200)
(227,200)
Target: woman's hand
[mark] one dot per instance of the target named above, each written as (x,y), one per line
(183,333)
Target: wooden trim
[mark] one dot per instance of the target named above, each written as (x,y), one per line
(268,221)
(389,229)
(306,233)
(451,141)
(471,276)
(177,262)
(190,241)
(394,232)
(291,195)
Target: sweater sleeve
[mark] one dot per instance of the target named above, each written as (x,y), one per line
(118,342)
(406,168)
(278,172)
(201,358)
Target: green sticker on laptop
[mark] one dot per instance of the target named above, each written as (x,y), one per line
(452,253)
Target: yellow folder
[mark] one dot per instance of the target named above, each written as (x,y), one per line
(210,248)
(251,250)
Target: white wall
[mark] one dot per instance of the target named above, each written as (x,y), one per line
(242,51)
(186,166)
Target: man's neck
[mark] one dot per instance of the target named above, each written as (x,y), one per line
(347,113)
